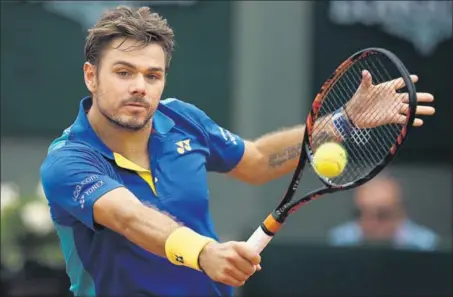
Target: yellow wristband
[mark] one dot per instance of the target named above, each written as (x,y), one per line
(184,245)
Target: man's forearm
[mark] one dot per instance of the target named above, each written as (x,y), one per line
(281,149)
(159,234)
(149,229)
(155,231)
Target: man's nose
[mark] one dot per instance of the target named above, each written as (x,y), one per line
(137,87)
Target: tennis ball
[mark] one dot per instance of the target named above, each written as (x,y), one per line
(330,159)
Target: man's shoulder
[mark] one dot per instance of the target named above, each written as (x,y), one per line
(64,146)
(182,108)
(419,232)
(345,234)
(187,116)
(176,103)
(345,228)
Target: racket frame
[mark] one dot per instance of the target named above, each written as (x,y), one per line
(287,206)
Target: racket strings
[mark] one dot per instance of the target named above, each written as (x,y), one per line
(377,150)
(354,80)
(343,95)
(360,134)
(391,129)
(374,113)
(366,146)
(390,86)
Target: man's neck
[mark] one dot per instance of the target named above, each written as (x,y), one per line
(132,145)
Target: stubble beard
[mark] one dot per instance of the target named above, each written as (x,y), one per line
(132,124)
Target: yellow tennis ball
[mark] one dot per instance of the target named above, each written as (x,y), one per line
(330,159)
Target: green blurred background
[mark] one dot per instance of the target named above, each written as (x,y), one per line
(253,67)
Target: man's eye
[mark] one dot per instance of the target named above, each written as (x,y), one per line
(123,73)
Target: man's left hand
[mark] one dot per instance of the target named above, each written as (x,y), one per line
(385,103)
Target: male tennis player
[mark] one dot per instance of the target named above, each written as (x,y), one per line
(127,182)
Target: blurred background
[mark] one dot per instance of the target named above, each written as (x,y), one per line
(253,67)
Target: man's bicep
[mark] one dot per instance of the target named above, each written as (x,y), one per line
(75,181)
(247,169)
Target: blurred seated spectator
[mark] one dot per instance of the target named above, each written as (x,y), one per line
(381,219)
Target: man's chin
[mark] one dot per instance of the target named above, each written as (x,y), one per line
(133,126)
(130,125)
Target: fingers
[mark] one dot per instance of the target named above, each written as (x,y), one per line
(414,78)
(245,251)
(421,97)
(424,97)
(231,263)
(398,83)
(420,110)
(231,281)
(401,119)
(425,110)
(243,265)
(245,261)
(417,122)
(237,274)
(367,80)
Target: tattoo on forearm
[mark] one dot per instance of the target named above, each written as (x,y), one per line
(292,152)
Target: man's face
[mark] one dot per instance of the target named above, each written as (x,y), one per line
(128,84)
(379,209)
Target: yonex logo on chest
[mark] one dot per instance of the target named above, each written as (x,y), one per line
(183,146)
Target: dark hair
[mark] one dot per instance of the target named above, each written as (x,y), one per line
(141,24)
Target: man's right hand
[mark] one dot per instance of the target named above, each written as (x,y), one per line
(231,263)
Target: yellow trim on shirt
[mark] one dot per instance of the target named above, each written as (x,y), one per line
(145,174)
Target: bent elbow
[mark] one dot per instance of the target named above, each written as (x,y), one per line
(124,221)
(257,179)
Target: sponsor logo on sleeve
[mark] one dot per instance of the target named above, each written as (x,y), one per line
(85,188)
(227,135)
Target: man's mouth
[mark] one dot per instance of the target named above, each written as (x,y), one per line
(136,105)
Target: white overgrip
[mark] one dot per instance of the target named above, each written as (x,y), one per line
(259,240)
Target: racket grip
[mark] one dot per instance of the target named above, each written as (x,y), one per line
(259,239)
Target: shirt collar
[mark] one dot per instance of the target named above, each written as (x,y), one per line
(82,130)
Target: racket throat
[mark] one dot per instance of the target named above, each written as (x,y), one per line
(272,223)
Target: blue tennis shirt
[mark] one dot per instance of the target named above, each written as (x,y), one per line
(185,144)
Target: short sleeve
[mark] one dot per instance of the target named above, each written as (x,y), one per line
(226,148)
(73,177)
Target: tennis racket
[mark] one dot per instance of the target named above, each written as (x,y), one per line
(368,106)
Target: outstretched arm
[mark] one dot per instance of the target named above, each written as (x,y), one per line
(276,154)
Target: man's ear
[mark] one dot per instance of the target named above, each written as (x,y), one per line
(89,74)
